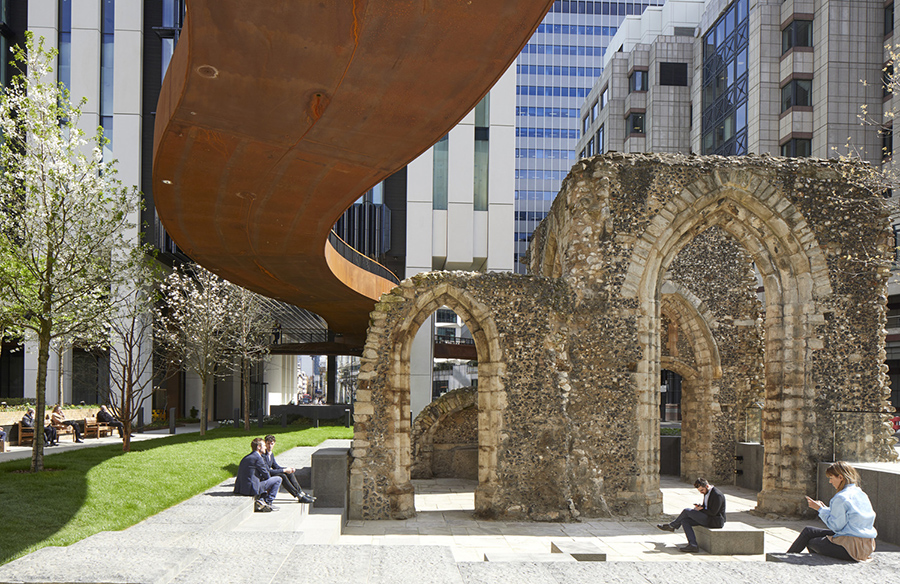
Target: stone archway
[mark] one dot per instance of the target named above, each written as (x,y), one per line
(380,473)
(450,417)
(759,215)
(698,370)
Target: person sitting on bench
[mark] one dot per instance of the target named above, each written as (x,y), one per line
(709,513)
(253,478)
(59,421)
(51,437)
(105,417)
(287,474)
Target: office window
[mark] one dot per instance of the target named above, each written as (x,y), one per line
(173,12)
(797,147)
(604,98)
(441,178)
(634,123)
(889,19)
(108,19)
(599,140)
(65,43)
(797,92)
(589,149)
(482,154)
(797,34)
(673,74)
(637,81)
(595,109)
(887,78)
(887,142)
(725,82)
(585,124)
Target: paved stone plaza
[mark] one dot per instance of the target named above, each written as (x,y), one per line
(215,537)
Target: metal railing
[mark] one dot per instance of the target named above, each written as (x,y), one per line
(359,260)
(453,340)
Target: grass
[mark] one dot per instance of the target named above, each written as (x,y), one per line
(90,490)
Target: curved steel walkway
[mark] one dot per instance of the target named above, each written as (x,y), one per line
(276,116)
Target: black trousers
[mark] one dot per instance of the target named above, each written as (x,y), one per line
(289,482)
(117,425)
(76,427)
(814,539)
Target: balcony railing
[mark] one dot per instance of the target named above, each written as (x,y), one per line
(359,260)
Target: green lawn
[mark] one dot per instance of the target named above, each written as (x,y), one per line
(86,491)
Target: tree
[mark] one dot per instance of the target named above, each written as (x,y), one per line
(130,342)
(63,213)
(252,337)
(194,326)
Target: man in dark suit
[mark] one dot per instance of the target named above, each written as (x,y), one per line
(253,478)
(107,418)
(710,513)
(287,474)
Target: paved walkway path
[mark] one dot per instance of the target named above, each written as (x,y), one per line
(66,443)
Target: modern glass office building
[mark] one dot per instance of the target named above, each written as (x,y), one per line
(554,73)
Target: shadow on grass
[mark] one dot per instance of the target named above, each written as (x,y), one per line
(90,490)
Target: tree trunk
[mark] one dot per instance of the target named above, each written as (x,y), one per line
(204,403)
(127,392)
(59,375)
(245,383)
(37,449)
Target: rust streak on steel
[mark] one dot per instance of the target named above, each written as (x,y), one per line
(275,116)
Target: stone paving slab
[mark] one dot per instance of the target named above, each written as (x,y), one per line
(99,564)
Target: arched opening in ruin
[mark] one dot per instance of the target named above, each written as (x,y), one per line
(753,214)
(489,397)
(689,350)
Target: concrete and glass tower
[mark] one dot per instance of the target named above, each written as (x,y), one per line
(554,74)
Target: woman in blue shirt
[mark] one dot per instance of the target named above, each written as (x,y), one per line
(849,517)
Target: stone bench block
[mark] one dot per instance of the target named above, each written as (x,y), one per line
(331,477)
(735,539)
(583,551)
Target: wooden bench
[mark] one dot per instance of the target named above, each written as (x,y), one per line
(735,539)
(94,428)
(61,431)
(25,435)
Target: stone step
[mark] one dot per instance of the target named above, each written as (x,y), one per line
(582,551)
(507,556)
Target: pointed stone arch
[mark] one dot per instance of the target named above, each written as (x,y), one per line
(786,252)
(699,393)
(380,473)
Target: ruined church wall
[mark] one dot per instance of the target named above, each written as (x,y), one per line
(820,238)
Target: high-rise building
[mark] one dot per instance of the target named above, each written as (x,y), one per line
(554,74)
(735,77)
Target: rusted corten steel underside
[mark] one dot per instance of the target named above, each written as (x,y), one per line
(276,116)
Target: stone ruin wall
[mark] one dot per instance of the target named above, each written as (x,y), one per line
(820,239)
(569,359)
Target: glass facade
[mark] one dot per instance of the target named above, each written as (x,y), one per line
(725,82)
(554,73)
